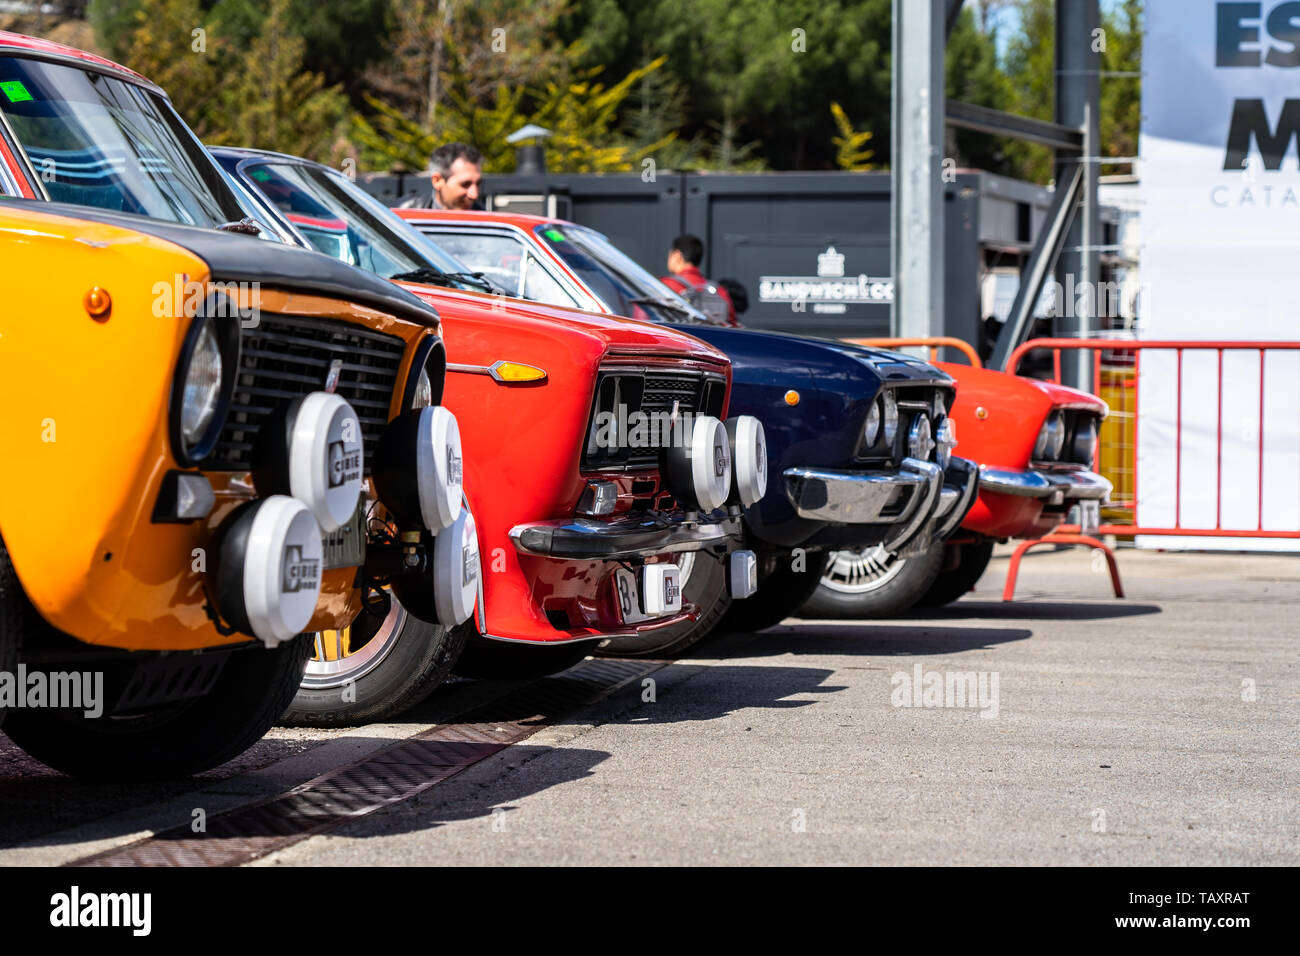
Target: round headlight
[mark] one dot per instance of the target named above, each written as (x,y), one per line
(871,429)
(202,390)
(1085,442)
(920,439)
(423,391)
(945,442)
(890,414)
(1051,438)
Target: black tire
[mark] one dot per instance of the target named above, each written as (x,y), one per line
(13,608)
(253,689)
(706,587)
(952,584)
(485,659)
(896,586)
(782,590)
(401,662)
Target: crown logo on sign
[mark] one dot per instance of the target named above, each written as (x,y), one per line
(830,263)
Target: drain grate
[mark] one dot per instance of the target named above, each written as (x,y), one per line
(391,775)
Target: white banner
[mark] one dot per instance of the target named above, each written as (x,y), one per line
(1220,188)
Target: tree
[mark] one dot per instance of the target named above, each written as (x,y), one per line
(1121,96)
(972,75)
(170,46)
(274,103)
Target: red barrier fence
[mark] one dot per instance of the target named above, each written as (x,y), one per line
(1123,354)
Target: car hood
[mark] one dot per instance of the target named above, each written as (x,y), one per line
(1063,396)
(614,333)
(236,258)
(818,358)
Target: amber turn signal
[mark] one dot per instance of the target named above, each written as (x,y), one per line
(98,304)
(792,397)
(517,372)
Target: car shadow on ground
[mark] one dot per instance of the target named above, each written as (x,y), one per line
(861,639)
(1100,610)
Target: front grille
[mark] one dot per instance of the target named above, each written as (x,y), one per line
(648,392)
(284,357)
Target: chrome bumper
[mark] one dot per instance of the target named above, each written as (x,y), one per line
(1059,487)
(936,505)
(616,539)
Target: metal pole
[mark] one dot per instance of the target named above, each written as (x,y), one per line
(1078,104)
(916,168)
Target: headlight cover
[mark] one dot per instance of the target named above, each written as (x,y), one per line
(423,391)
(1051,439)
(202,387)
(871,428)
(1084,447)
(890,413)
(945,442)
(202,384)
(920,439)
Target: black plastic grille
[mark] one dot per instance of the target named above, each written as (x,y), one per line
(651,392)
(284,357)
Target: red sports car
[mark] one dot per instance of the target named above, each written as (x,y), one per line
(1035,442)
(580,540)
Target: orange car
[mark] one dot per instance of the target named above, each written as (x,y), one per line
(188,416)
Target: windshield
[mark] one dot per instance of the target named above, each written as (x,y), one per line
(624,287)
(341,220)
(100,141)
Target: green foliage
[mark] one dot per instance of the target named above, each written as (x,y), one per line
(1031,70)
(579,109)
(972,75)
(165,48)
(1121,96)
(851,151)
(714,84)
(114,22)
(275,104)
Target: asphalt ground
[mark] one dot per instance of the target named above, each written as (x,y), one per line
(1158,729)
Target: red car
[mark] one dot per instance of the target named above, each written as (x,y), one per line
(1035,442)
(579,541)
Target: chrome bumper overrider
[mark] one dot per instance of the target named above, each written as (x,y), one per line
(1058,486)
(618,538)
(937,501)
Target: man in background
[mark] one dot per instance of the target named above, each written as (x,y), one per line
(685,278)
(457,178)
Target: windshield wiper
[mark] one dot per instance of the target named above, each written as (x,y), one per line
(425,274)
(448,279)
(478,279)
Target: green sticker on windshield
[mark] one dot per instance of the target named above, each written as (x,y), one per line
(554,235)
(15,91)
(261,175)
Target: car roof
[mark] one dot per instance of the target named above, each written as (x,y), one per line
(521,220)
(24,45)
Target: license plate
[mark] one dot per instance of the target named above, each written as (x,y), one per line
(635,598)
(345,546)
